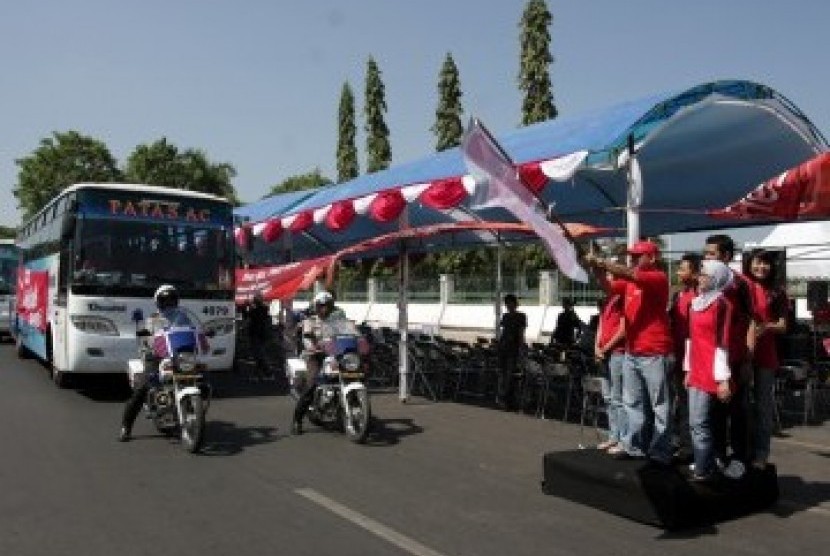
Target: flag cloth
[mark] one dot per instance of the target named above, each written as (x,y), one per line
(498,185)
(801,192)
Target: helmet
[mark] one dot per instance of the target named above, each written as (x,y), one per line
(323,297)
(166,297)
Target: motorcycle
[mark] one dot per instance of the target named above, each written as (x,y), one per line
(340,397)
(178,395)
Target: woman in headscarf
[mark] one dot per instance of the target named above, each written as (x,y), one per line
(706,365)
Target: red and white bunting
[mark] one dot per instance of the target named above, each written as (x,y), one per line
(385,206)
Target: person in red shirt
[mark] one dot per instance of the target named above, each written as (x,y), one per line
(721,247)
(648,345)
(609,350)
(706,363)
(771,309)
(687,274)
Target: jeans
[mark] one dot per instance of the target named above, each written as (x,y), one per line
(647,406)
(612,394)
(764,392)
(701,406)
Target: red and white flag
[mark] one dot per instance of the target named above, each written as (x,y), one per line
(498,185)
(801,192)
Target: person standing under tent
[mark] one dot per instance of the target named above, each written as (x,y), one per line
(609,350)
(511,342)
(732,425)
(772,306)
(687,276)
(260,331)
(707,374)
(645,291)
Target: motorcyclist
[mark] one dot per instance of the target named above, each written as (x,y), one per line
(169,314)
(324,312)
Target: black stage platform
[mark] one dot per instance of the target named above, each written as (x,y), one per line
(654,494)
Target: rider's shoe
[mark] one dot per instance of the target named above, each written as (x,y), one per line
(296,427)
(125,434)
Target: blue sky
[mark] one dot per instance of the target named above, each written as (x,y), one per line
(256,83)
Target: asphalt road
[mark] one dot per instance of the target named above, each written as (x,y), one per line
(436,479)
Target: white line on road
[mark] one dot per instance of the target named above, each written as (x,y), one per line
(410,545)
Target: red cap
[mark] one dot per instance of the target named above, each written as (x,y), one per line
(644,248)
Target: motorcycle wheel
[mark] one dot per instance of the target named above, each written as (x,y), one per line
(193,425)
(356,416)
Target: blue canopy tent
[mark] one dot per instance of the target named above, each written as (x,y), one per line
(697,149)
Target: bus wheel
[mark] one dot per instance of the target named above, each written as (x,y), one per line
(60,378)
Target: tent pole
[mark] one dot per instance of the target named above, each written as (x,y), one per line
(403,316)
(499,282)
(635,195)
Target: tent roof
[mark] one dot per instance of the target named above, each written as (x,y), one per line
(698,149)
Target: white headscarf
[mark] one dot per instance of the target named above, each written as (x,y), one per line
(719,278)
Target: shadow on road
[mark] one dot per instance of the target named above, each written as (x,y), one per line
(223,438)
(388,432)
(798,495)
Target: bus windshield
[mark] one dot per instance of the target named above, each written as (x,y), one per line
(8,269)
(118,257)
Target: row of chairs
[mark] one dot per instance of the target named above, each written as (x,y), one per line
(550,381)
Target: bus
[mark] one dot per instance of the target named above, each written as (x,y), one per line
(91,260)
(8,282)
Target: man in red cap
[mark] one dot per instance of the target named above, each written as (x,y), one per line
(646,400)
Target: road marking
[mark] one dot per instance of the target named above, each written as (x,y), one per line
(810,445)
(390,535)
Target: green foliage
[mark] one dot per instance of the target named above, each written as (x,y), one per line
(300,182)
(534,76)
(60,161)
(161,163)
(347,166)
(448,128)
(7,233)
(378,149)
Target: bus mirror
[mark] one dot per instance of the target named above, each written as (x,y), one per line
(68,227)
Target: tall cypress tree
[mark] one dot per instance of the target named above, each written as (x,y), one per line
(448,128)
(378,149)
(534,76)
(347,166)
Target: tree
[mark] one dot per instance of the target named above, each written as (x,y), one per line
(7,233)
(378,149)
(347,166)
(534,76)
(448,127)
(161,163)
(300,183)
(62,160)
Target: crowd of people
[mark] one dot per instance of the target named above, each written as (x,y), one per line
(688,376)
(702,363)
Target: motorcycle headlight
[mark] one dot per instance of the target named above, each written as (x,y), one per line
(350,362)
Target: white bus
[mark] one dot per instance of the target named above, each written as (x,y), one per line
(92,259)
(8,282)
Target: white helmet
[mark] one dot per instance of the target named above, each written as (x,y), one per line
(323,297)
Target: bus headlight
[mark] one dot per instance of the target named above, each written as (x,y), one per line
(350,362)
(219,327)
(94,325)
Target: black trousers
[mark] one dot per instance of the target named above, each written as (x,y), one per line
(303,402)
(134,405)
(508,365)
